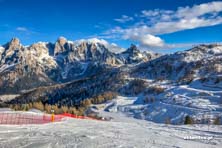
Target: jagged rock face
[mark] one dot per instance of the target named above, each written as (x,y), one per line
(68,52)
(26,67)
(14,44)
(11,52)
(60,46)
(43,64)
(134,55)
(133,50)
(97,52)
(12,47)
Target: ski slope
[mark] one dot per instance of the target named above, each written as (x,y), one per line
(122,131)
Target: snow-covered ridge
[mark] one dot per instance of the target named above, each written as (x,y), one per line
(1,48)
(198,61)
(201,51)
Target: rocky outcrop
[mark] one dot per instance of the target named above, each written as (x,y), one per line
(60,46)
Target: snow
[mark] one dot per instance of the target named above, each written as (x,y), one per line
(1,49)
(84,66)
(5,67)
(42,43)
(176,102)
(120,132)
(68,67)
(183,100)
(8,97)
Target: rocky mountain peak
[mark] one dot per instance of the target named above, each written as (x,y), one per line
(132,49)
(60,45)
(15,42)
(40,49)
(12,47)
(62,41)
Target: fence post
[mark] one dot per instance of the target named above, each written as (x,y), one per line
(52,116)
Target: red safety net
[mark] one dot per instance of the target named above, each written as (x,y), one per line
(34,118)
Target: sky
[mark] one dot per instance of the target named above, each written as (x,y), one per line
(161,25)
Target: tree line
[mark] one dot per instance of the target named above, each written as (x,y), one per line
(59,109)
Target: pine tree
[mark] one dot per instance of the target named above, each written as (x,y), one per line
(188,120)
(217,121)
(167,120)
(64,109)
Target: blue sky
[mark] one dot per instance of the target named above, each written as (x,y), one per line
(158,25)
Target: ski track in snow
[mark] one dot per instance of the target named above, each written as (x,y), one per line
(121,132)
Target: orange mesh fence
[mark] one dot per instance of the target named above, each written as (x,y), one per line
(27,118)
(33,118)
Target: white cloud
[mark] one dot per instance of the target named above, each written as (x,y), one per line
(158,22)
(146,40)
(156,12)
(112,47)
(198,10)
(124,19)
(182,24)
(22,29)
(150,40)
(96,40)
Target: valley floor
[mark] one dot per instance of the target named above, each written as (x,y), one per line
(121,131)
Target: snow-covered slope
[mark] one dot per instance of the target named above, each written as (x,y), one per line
(120,132)
(164,101)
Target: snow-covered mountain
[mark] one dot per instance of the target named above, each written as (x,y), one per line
(196,63)
(173,86)
(43,63)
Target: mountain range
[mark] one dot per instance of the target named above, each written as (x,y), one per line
(68,72)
